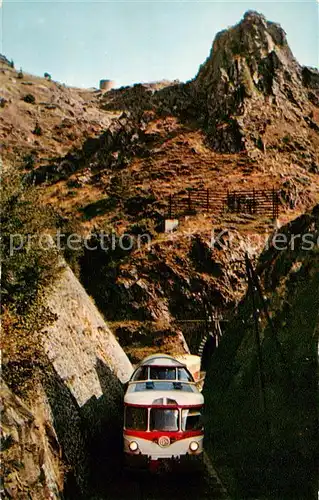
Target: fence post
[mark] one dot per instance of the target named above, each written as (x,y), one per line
(226,202)
(277,204)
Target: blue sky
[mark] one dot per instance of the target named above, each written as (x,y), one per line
(81,42)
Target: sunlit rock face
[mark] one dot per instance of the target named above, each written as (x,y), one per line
(79,340)
(31,454)
(85,389)
(250,78)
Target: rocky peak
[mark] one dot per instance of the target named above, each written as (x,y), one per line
(250,68)
(242,53)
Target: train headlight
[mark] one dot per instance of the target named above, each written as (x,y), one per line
(194,446)
(133,446)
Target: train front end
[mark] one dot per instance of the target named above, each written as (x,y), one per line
(163,420)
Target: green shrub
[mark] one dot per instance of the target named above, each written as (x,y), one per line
(286,139)
(26,271)
(29,161)
(29,98)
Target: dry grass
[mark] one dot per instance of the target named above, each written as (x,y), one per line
(54,104)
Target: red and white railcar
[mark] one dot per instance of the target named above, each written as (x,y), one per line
(163,414)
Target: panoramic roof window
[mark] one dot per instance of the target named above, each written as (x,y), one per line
(141,373)
(162,373)
(166,401)
(184,375)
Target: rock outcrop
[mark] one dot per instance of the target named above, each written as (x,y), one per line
(249,81)
(31,453)
(67,117)
(250,96)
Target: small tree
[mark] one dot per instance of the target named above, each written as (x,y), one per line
(28,266)
(47,76)
(37,130)
(20,74)
(29,161)
(11,64)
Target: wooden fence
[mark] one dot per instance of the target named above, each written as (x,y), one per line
(256,202)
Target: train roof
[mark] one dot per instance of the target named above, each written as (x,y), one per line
(161,360)
(145,393)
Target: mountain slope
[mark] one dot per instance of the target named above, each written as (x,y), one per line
(65,117)
(161,141)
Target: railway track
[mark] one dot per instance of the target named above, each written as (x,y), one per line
(142,485)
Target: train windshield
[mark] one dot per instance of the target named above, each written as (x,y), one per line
(136,418)
(191,420)
(163,420)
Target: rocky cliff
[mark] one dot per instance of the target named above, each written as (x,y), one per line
(70,423)
(31,453)
(79,339)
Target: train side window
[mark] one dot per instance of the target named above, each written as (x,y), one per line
(191,420)
(135,418)
(141,373)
